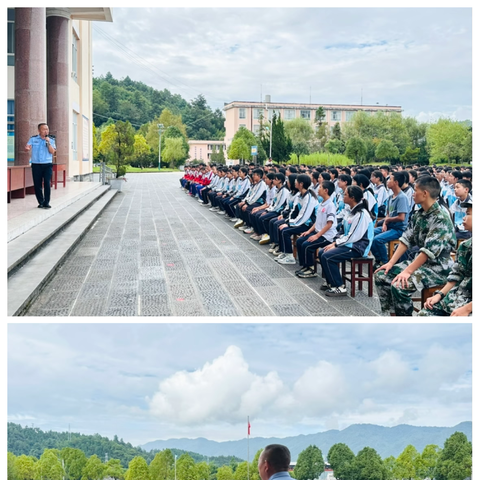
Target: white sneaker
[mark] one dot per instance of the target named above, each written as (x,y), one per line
(233,219)
(238,224)
(243,228)
(288,259)
(221,212)
(248,230)
(214,209)
(280,255)
(277,251)
(256,237)
(272,248)
(264,239)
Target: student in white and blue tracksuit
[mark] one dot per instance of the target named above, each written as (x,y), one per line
(307,201)
(380,192)
(243,186)
(354,243)
(255,198)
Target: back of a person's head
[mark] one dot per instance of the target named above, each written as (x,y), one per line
(280,176)
(258,171)
(305,180)
(325,176)
(292,169)
(362,180)
(277,456)
(345,178)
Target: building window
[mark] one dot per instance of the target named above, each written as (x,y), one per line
(256,129)
(257,113)
(305,114)
(74,56)
(10,115)
(11,37)
(349,116)
(200,154)
(241,113)
(289,114)
(336,116)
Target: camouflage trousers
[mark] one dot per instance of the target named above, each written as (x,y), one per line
(457,297)
(394,299)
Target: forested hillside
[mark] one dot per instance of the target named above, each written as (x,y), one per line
(132,101)
(33,442)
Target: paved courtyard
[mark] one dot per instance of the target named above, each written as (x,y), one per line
(155,251)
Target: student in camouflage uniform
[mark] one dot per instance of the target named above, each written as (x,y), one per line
(433,232)
(455,298)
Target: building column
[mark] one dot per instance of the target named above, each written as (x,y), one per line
(30,77)
(58,77)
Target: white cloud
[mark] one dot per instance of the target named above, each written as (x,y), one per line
(392,372)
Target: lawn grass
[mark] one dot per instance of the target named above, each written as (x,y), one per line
(139,170)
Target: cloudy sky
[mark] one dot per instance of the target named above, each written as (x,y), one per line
(157,381)
(418,58)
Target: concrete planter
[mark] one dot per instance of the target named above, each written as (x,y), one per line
(116,183)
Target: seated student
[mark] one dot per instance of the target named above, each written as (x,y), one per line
(448,193)
(290,206)
(231,189)
(432,231)
(277,205)
(257,211)
(363,182)
(462,192)
(320,234)
(218,189)
(226,188)
(255,198)
(455,298)
(380,192)
(297,223)
(315,182)
(395,222)
(413,175)
(241,191)
(407,189)
(208,188)
(353,244)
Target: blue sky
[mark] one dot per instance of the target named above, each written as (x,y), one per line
(157,381)
(418,58)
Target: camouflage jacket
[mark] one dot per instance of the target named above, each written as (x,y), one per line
(462,269)
(433,232)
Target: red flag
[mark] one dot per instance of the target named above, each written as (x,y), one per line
(249,427)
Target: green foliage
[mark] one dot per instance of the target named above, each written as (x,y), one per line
(337,132)
(218,155)
(114,469)
(11,470)
(301,133)
(341,459)
(386,150)
(74,460)
(368,466)
(25,467)
(254,475)
(309,464)
(323,159)
(186,469)
(319,116)
(455,460)
(162,466)
(94,469)
(225,473)
(427,461)
(241,146)
(281,143)
(410,156)
(203,471)
(445,140)
(137,470)
(242,471)
(174,152)
(335,145)
(356,149)
(407,463)
(48,466)
(389,463)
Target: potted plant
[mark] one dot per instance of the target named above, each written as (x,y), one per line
(117,182)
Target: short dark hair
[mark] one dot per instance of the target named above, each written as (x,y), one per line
(292,169)
(280,176)
(258,171)
(429,184)
(278,457)
(398,177)
(305,180)
(41,124)
(466,183)
(329,186)
(345,178)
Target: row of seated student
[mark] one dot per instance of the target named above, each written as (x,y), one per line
(333,211)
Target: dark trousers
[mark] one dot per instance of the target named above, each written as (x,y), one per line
(42,172)
(285,240)
(331,260)
(274,229)
(263,222)
(229,206)
(306,250)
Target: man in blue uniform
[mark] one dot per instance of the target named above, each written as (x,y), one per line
(273,463)
(42,148)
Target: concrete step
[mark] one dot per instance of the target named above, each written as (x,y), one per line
(35,256)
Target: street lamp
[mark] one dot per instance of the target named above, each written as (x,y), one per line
(270,156)
(160,126)
(175,467)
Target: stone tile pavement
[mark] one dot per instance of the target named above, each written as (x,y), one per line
(155,251)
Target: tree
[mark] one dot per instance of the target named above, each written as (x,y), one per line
(203,471)
(242,471)
(407,463)
(335,145)
(319,116)
(48,466)
(175,133)
(368,465)
(11,470)
(162,466)
(74,460)
(114,469)
(239,149)
(117,143)
(466,149)
(254,475)
(137,470)
(94,469)
(141,151)
(356,149)
(444,139)
(455,460)
(225,473)
(427,461)
(341,458)
(389,463)
(410,156)
(168,119)
(25,467)
(186,469)
(217,155)
(174,152)
(337,132)
(309,464)
(386,150)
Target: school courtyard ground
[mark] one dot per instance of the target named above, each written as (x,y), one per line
(155,251)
